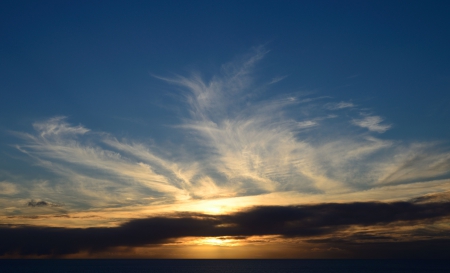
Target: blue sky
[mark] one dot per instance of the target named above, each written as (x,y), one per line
(132,109)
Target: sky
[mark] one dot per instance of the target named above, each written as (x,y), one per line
(224,129)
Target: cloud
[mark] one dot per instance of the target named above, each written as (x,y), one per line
(7,188)
(372,123)
(432,197)
(56,127)
(90,169)
(339,105)
(254,145)
(236,139)
(316,223)
(42,203)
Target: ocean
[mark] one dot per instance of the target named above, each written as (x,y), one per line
(222,266)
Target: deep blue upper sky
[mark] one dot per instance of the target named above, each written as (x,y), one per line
(92,60)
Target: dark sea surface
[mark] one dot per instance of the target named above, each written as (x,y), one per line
(219,266)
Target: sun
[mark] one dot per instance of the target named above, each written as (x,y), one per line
(214,241)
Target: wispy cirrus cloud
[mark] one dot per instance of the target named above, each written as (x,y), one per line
(259,144)
(58,127)
(277,79)
(89,169)
(339,105)
(372,123)
(244,142)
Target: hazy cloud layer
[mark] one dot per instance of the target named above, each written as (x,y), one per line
(8,188)
(349,226)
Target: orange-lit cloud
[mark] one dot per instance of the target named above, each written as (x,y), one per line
(350,226)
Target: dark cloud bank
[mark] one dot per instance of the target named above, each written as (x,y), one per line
(340,227)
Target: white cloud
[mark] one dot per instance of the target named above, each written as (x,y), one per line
(257,147)
(245,144)
(339,105)
(373,123)
(57,126)
(90,169)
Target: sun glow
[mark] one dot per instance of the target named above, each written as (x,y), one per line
(214,241)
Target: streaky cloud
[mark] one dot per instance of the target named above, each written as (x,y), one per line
(244,141)
(339,105)
(277,79)
(372,123)
(58,127)
(346,222)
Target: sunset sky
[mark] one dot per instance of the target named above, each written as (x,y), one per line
(225,129)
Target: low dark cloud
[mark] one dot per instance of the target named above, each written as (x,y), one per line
(312,222)
(33,204)
(432,197)
(42,203)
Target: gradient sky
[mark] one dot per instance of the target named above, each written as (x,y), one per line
(225,129)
